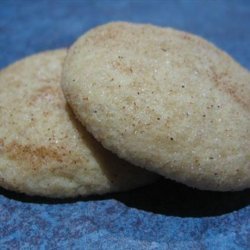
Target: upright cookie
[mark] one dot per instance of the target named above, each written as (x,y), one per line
(43,149)
(165,100)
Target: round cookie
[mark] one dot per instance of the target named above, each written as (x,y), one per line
(165,100)
(43,149)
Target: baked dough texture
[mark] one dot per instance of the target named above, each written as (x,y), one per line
(165,100)
(43,149)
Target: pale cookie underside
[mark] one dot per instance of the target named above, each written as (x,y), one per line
(43,149)
(165,100)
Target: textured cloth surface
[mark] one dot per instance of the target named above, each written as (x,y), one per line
(165,215)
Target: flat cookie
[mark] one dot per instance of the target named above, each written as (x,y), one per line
(43,149)
(165,100)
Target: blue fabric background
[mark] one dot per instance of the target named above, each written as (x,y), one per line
(164,215)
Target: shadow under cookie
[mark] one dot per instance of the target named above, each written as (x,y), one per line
(163,197)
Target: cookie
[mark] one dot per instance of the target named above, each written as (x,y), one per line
(165,100)
(43,149)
